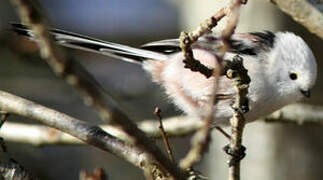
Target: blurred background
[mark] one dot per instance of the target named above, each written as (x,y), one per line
(274,151)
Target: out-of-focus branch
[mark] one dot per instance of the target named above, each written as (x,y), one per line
(187,39)
(91,91)
(233,13)
(89,134)
(308,14)
(301,114)
(40,135)
(202,138)
(36,135)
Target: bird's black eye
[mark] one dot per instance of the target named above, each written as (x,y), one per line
(293,76)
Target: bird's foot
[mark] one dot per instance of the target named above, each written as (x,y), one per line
(236,154)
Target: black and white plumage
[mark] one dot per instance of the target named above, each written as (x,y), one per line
(281,66)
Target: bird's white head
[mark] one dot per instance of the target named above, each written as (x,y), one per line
(295,64)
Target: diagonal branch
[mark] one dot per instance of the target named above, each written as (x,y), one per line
(188,39)
(92,93)
(202,138)
(308,14)
(89,134)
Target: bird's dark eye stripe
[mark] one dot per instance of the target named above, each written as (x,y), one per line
(293,76)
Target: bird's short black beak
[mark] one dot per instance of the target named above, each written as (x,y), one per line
(306,93)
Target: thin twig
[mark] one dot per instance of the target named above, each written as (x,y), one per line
(87,133)
(225,134)
(91,91)
(241,80)
(202,138)
(163,134)
(187,39)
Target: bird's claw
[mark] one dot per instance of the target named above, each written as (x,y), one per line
(236,154)
(244,108)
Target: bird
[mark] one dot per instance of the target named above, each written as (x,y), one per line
(281,66)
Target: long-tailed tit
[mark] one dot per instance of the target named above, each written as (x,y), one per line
(281,66)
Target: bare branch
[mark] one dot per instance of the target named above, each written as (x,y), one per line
(91,91)
(225,134)
(241,80)
(164,135)
(240,106)
(40,135)
(202,138)
(301,114)
(37,135)
(187,39)
(89,134)
(308,14)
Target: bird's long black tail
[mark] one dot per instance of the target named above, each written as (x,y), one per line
(77,41)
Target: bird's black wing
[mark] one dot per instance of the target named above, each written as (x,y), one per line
(242,43)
